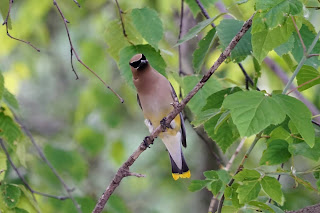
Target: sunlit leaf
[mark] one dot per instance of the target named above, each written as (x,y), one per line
(3,165)
(248,191)
(28,199)
(148,24)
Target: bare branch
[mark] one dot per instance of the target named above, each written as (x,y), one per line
(229,164)
(72,50)
(312,55)
(204,11)
(149,139)
(7,28)
(43,157)
(305,83)
(77,3)
(298,32)
(122,24)
(309,209)
(179,37)
(24,180)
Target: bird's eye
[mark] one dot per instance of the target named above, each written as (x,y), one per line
(135,64)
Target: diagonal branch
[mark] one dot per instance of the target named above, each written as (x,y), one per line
(24,180)
(178,108)
(121,19)
(73,51)
(7,28)
(43,157)
(299,35)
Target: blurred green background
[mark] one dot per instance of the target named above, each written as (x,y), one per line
(83,128)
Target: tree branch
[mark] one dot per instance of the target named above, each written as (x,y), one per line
(7,28)
(120,14)
(308,209)
(179,37)
(301,85)
(73,51)
(24,180)
(149,139)
(299,35)
(43,157)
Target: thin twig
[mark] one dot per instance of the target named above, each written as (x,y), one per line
(72,49)
(7,28)
(312,55)
(24,180)
(301,85)
(43,157)
(204,11)
(298,32)
(77,3)
(122,24)
(179,37)
(317,8)
(179,107)
(240,167)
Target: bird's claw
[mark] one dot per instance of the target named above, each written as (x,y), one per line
(146,141)
(163,123)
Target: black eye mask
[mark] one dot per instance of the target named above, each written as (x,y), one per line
(136,64)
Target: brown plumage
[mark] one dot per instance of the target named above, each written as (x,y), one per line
(155,97)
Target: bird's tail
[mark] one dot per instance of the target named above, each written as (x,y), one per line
(177,173)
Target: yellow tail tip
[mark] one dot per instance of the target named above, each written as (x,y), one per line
(186,174)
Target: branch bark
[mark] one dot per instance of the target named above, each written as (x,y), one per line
(123,170)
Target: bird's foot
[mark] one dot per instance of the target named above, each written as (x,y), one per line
(147,141)
(163,123)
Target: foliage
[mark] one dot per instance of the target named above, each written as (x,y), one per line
(86,133)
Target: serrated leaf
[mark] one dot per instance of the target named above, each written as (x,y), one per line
(276,11)
(3,165)
(115,38)
(153,56)
(215,187)
(196,29)
(248,191)
(225,135)
(272,187)
(10,194)
(301,148)
(285,47)
(9,129)
(197,185)
(201,52)
(148,24)
(261,206)
(264,40)
(252,111)
(275,153)
(226,30)
(307,37)
(308,75)
(213,175)
(216,99)
(299,114)
(247,175)
(204,116)
(196,103)
(1,85)
(10,100)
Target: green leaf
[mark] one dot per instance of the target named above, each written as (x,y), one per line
(305,183)
(261,206)
(276,153)
(215,187)
(272,187)
(276,209)
(201,52)
(204,116)
(196,29)
(90,139)
(115,38)
(197,102)
(252,111)
(306,74)
(247,175)
(285,47)
(213,175)
(118,152)
(248,191)
(299,114)
(10,100)
(29,198)
(264,40)
(18,210)
(3,165)
(197,185)
(224,176)
(10,131)
(195,8)
(280,133)
(225,135)
(216,99)
(4,7)
(226,30)
(153,56)
(275,11)
(301,148)
(148,24)
(307,37)
(1,85)
(10,194)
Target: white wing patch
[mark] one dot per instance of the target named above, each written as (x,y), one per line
(149,125)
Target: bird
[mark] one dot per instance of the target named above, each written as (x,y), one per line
(156,97)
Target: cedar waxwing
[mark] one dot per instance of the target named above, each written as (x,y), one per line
(155,97)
